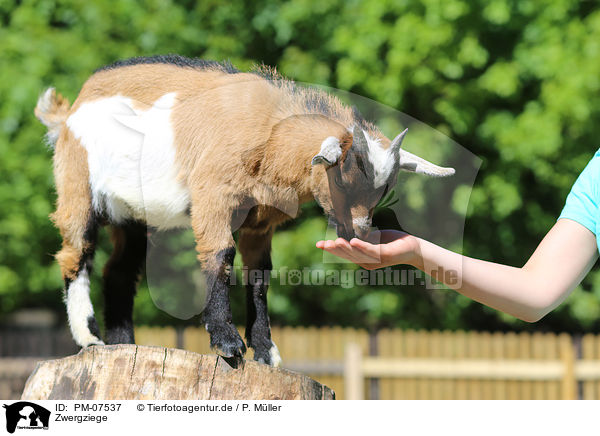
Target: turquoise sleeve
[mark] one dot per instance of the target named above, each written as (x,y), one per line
(582,202)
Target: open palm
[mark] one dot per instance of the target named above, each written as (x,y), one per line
(384,248)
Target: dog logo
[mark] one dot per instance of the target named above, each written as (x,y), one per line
(26,415)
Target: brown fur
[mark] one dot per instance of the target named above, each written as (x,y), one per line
(73,206)
(257,135)
(266,156)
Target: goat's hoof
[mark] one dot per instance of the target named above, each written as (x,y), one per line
(226,341)
(93,344)
(269,356)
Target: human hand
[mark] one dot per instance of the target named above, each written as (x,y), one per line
(384,248)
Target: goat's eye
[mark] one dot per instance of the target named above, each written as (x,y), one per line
(338,183)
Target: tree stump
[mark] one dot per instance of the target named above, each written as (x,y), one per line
(135,372)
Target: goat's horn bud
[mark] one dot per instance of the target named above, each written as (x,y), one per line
(397,142)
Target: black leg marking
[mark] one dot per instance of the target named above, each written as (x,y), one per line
(258,325)
(93,326)
(121,275)
(224,337)
(256,252)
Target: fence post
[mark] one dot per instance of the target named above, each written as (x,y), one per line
(353,375)
(567,355)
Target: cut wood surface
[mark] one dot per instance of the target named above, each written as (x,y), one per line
(135,372)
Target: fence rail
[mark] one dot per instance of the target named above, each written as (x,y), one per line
(357,368)
(398,364)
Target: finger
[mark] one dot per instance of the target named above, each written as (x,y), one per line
(373,251)
(342,248)
(330,247)
(329,244)
(320,244)
(359,257)
(354,255)
(343,245)
(339,253)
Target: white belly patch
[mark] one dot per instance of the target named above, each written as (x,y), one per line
(131,159)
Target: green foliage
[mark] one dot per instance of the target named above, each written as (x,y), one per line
(515,82)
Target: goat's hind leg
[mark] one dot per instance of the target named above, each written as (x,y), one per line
(75,260)
(78,225)
(121,275)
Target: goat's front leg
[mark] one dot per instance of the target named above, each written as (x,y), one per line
(256,254)
(216,250)
(224,337)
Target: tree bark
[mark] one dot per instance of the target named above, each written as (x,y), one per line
(135,372)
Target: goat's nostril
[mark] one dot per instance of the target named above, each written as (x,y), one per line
(363,234)
(361,226)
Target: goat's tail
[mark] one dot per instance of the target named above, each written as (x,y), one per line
(52,110)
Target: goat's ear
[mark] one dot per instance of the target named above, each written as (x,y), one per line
(359,141)
(415,164)
(330,152)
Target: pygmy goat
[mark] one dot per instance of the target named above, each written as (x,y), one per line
(219,150)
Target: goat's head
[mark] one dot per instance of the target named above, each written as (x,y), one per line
(359,172)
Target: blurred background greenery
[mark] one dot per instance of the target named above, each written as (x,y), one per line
(515,82)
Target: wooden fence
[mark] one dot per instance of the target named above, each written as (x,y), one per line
(399,364)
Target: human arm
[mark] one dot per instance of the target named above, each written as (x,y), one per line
(561,260)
